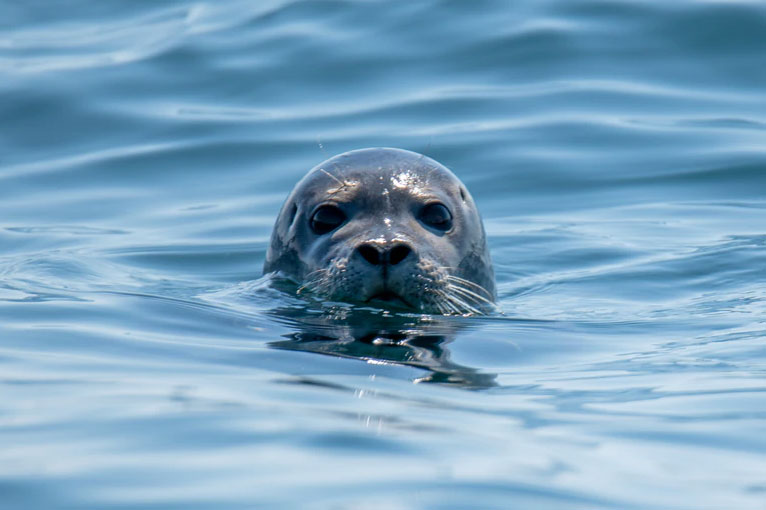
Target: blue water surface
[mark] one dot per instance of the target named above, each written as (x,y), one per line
(616,149)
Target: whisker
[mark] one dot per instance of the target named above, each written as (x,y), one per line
(460,306)
(314,281)
(469,283)
(452,308)
(448,306)
(342,184)
(470,294)
(464,305)
(309,286)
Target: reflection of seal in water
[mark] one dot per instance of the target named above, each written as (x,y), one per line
(402,341)
(385,225)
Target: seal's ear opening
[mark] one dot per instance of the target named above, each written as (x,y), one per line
(462,193)
(293,212)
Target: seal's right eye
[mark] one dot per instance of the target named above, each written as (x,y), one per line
(326,219)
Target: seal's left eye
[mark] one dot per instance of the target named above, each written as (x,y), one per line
(436,216)
(326,219)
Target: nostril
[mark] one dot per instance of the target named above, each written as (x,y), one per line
(370,254)
(398,253)
(376,257)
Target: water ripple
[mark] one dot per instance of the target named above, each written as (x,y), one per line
(615,149)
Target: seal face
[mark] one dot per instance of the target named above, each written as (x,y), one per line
(385,225)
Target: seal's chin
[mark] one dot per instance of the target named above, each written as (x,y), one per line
(389,298)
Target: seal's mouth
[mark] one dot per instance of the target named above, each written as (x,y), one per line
(389,298)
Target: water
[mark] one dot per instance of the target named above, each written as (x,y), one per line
(616,149)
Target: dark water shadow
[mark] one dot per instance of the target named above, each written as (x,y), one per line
(371,336)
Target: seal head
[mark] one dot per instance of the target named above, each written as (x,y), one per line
(385,225)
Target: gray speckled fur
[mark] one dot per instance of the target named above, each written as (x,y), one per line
(381,191)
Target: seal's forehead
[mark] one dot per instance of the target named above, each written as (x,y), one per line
(410,180)
(336,184)
(370,171)
(355,183)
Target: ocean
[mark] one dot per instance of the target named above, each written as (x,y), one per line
(616,150)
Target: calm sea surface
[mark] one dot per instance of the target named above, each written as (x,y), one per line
(616,149)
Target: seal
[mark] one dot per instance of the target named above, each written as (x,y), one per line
(385,226)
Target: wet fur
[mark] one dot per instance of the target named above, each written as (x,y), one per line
(434,281)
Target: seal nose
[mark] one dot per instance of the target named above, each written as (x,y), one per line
(391,256)
(398,253)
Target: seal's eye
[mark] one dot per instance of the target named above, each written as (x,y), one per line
(326,219)
(436,216)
